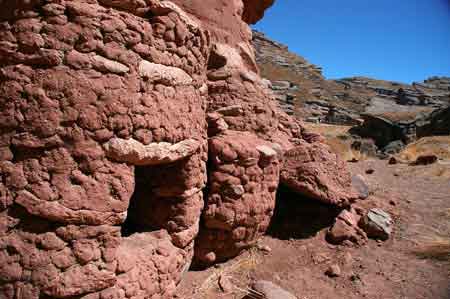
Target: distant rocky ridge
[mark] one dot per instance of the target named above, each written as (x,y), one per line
(385,111)
(300,84)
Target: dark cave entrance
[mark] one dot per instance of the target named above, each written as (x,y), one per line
(156,202)
(298,217)
(140,207)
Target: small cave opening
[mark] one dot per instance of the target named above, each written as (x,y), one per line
(140,204)
(298,217)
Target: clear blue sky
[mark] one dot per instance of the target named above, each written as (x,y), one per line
(399,40)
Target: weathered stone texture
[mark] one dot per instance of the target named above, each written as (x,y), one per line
(106,107)
(76,76)
(314,171)
(243,179)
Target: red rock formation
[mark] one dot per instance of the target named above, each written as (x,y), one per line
(254,10)
(89,90)
(345,229)
(313,170)
(239,101)
(103,144)
(243,179)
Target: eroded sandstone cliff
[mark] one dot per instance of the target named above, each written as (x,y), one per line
(128,127)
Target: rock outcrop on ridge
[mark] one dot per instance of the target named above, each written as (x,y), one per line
(106,111)
(387,114)
(301,89)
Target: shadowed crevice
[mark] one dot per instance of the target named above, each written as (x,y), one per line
(141,193)
(298,217)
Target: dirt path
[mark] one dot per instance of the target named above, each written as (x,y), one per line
(420,205)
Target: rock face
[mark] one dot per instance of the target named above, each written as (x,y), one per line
(106,110)
(92,95)
(314,171)
(388,128)
(254,10)
(435,123)
(432,92)
(242,183)
(403,127)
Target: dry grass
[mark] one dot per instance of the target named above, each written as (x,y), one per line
(436,170)
(339,140)
(446,213)
(437,248)
(343,149)
(433,243)
(235,273)
(274,72)
(436,145)
(328,130)
(405,115)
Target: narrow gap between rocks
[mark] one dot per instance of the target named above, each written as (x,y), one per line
(298,217)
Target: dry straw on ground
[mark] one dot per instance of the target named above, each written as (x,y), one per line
(437,248)
(235,273)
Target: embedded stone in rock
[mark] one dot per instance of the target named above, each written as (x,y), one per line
(55,211)
(135,153)
(136,7)
(106,65)
(167,75)
(79,280)
(271,291)
(266,151)
(333,271)
(377,224)
(218,75)
(314,171)
(216,124)
(165,7)
(243,179)
(267,154)
(234,110)
(141,260)
(312,137)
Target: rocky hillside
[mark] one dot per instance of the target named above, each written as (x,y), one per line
(301,88)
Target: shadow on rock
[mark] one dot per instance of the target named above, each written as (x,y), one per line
(298,217)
